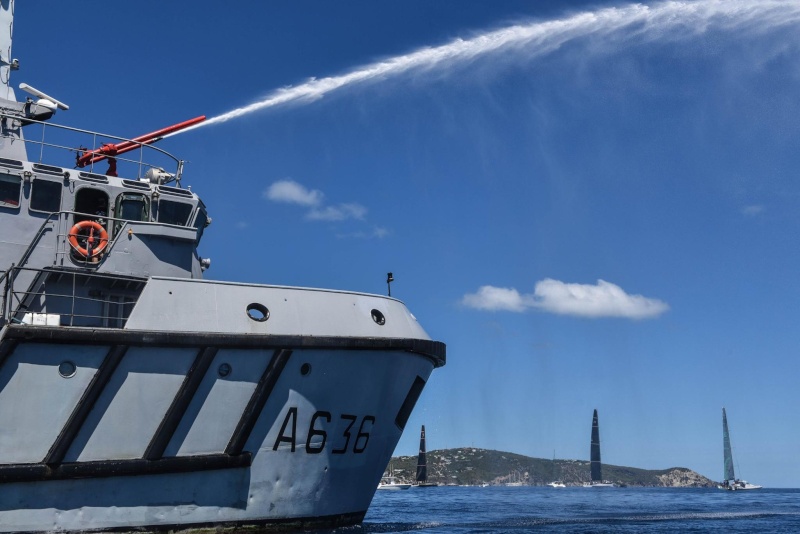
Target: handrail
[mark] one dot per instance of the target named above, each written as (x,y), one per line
(7,275)
(95,136)
(27,254)
(32,245)
(14,300)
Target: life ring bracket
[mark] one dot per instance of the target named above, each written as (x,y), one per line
(93,236)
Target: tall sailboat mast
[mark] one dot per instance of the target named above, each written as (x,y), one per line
(726,446)
(729,480)
(597,475)
(422,463)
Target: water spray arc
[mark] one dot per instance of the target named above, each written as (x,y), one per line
(664,21)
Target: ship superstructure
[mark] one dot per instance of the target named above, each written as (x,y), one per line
(134,394)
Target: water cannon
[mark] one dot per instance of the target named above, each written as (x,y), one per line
(111,150)
(45,100)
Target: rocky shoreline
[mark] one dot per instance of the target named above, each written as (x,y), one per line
(474,467)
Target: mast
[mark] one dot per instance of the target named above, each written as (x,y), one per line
(422,464)
(597,475)
(14,115)
(726,447)
(6,63)
(12,145)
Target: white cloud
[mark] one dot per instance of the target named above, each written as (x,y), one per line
(602,300)
(377,232)
(494,299)
(582,300)
(338,213)
(380,232)
(753,210)
(291,192)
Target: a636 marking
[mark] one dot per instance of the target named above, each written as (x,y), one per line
(354,438)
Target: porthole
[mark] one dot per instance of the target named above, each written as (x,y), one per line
(305,369)
(67,369)
(257,312)
(378,317)
(224,370)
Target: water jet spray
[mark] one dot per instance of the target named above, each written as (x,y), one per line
(662,21)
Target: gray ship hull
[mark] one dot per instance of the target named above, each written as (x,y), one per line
(115,429)
(136,396)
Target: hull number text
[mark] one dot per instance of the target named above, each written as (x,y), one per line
(354,438)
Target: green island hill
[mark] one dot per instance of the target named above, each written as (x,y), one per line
(474,467)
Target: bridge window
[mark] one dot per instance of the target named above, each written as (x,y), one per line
(10,186)
(91,201)
(46,196)
(131,207)
(170,212)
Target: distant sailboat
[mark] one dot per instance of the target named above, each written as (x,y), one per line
(730,482)
(422,464)
(557,482)
(514,478)
(597,475)
(389,482)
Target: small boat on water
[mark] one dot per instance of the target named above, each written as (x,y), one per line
(556,483)
(389,482)
(730,482)
(136,395)
(595,465)
(515,479)
(422,464)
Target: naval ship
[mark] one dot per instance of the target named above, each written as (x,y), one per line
(137,396)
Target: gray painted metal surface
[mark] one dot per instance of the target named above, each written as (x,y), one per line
(312,454)
(136,395)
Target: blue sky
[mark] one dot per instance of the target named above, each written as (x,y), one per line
(592,207)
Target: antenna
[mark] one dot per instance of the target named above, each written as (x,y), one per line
(35,92)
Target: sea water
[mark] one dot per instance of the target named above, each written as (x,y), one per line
(576,509)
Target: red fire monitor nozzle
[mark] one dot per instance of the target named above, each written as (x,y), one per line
(109,150)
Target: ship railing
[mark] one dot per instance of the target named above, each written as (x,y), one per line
(59,141)
(35,241)
(60,238)
(63,248)
(80,298)
(113,225)
(3,275)
(7,276)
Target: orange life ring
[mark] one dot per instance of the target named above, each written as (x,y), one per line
(80,231)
